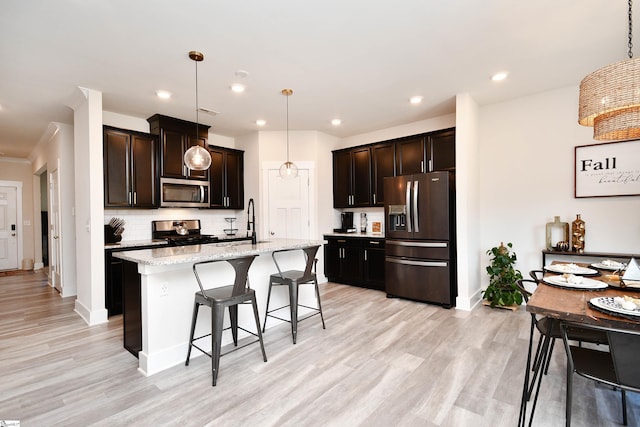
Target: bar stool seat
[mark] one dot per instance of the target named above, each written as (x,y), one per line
(218,299)
(293,279)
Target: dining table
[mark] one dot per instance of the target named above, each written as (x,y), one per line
(572,304)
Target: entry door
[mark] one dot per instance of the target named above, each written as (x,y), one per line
(54,225)
(288,208)
(8,226)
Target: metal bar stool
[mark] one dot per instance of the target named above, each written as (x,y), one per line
(293,279)
(218,299)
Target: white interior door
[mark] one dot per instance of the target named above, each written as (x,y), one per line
(288,206)
(55,244)
(8,229)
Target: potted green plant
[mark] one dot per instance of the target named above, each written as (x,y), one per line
(502,290)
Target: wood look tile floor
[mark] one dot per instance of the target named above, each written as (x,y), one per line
(380,362)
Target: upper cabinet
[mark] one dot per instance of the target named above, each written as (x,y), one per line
(410,156)
(383,161)
(352,177)
(359,172)
(176,137)
(227,178)
(441,150)
(130,169)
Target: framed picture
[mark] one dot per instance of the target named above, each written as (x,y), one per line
(608,169)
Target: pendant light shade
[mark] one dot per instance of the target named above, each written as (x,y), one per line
(197,157)
(288,170)
(610,98)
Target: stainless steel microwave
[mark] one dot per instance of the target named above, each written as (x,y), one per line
(183,193)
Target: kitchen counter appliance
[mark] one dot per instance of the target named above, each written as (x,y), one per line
(346,223)
(420,236)
(180,232)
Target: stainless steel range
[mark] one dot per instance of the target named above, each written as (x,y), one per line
(180,232)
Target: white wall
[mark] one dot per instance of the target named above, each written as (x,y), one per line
(526,162)
(55,151)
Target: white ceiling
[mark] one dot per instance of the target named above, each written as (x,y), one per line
(359,60)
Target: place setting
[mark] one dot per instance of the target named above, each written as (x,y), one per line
(577,282)
(571,268)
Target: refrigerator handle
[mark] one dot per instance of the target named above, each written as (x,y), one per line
(408,205)
(416,217)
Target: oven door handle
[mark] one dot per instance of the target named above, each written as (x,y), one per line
(415,262)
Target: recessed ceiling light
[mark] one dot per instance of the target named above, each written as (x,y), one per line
(163,94)
(261,122)
(336,122)
(238,88)
(242,74)
(498,77)
(416,99)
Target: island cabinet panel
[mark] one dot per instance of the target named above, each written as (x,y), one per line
(132,311)
(176,137)
(355,261)
(130,169)
(352,178)
(383,161)
(227,178)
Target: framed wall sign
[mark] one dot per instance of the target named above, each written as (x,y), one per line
(608,169)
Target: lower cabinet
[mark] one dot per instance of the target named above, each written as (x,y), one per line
(355,261)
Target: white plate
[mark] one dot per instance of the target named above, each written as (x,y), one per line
(570,268)
(612,267)
(588,284)
(608,304)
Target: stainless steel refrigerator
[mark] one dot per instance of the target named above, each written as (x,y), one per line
(420,248)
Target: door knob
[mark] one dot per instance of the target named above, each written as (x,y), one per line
(272,233)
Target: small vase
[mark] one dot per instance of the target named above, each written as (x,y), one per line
(577,234)
(557,234)
(363,222)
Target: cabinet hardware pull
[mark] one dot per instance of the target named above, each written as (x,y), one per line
(135,197)
(371,242)
(365,254)
(129,198)
(374,198)
(421,165)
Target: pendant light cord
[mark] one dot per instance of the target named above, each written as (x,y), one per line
(287,129)
(197,109)
(630,31)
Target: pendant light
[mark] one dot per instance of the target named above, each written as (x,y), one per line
(288,170)
(610,98)
(197,157)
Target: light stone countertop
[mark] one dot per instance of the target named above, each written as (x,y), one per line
(212,251)
(133,243)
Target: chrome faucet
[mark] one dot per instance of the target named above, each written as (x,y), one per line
(251,223)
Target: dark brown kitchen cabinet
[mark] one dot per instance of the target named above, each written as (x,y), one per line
(226,184)
(130,168)
(343,260)
(176,137)
(441,150)
(382,165)
(373,264)
(410,155)
(352,178)
(355,261)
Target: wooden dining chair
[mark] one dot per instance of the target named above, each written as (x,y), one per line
(617,367)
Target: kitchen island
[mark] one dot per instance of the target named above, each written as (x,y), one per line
(159,287)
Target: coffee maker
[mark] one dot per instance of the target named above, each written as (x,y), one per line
(346,226)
